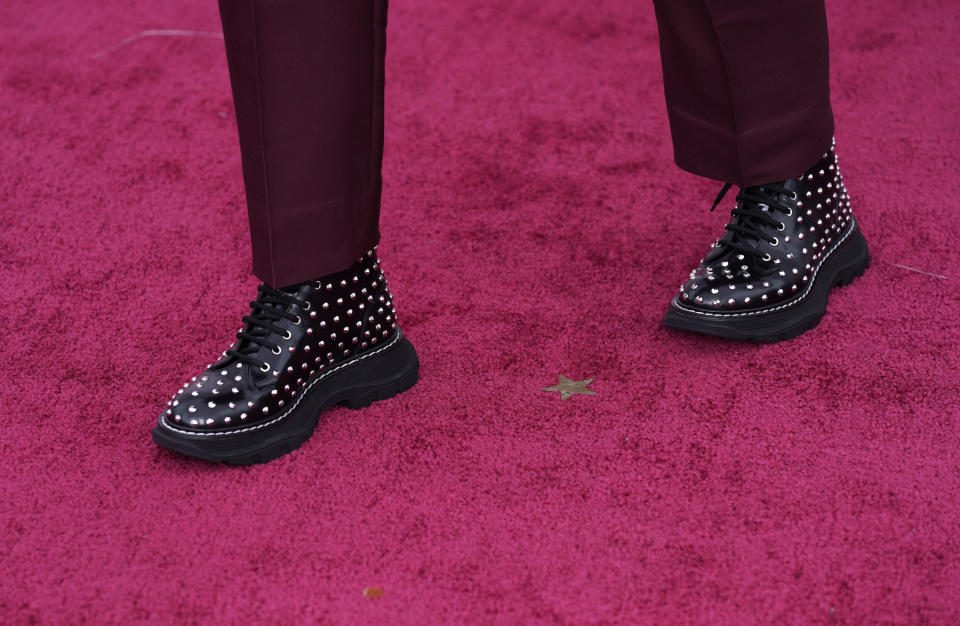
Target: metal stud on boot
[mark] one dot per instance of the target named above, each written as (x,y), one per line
(302,349)
(768,277)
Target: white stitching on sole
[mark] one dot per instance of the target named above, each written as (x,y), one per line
(809,289)
(163,419)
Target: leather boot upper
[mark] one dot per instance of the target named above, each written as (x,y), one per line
(291,335)
(774,243)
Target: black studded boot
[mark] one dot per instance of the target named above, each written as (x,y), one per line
(768,277)
(303,349)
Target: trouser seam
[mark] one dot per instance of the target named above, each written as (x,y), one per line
(263,153)
(733,104)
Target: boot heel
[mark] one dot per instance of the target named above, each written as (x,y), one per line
(859,261)
(382,377)
(381,393)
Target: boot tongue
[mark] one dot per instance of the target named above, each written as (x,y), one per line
(245,345)
(748,238)
(257,331)
(723,252)
(726,253)
(299,290)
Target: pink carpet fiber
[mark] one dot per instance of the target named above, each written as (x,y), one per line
(534,225)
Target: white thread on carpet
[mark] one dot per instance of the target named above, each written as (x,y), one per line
(158,33)
(913,269)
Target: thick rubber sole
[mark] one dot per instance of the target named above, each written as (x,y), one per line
(783,321)
(360,382)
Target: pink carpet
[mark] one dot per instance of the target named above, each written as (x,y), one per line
(528,173)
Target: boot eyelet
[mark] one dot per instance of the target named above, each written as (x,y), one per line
(781,227)
(767,257)
(265,367)
(774,242)
(793,195)
(287,334)
(297,321)
(276,350)
(789,211)
(306,307)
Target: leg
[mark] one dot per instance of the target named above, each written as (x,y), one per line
(307,78)
(747,86)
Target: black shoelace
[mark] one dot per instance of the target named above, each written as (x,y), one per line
(269,307)
(753,217)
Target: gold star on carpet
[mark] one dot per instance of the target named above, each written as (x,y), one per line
(568,387)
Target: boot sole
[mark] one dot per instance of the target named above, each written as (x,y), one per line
(391,369)
(841,267)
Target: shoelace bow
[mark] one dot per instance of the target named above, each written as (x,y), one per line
(269,307)
(755,206)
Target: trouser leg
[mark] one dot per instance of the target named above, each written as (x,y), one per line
(747,86)
(307,79)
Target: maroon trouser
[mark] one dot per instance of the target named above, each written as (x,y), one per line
(746,83)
